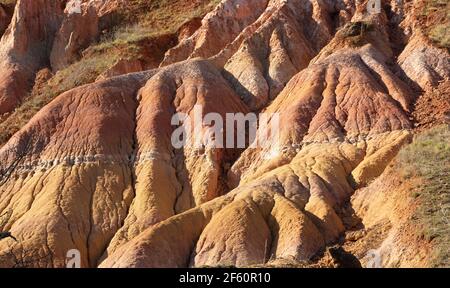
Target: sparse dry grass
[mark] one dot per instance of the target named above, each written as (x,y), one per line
(440,34)
(151,19)
(8,2)
(437,14)
(80,73)
(432,6)
(428,157)
(139,20)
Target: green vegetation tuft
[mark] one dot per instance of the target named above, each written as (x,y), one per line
(428,157)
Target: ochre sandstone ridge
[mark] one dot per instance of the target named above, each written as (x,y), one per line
(386,209)
(45,33)
(423,63)
(168,180)
(228,19)
(24,47)
(284,34)
(97,170)
(403,212)
(159,180)
(279,41)
(72,154)
(80,27)
(348,115)
(347,94)
(294,202)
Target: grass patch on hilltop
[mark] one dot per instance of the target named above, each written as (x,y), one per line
(428,157)
(432,6)
(440,34)
(161,17)
(140,20)
(437,15)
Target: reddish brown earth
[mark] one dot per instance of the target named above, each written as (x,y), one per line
(433,106)
(24,47)
(5,17)
(95,169)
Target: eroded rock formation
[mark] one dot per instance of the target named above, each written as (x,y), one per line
(24,47)
(95,170)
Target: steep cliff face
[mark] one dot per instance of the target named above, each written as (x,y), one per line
(96,169)
(92,40)
(24,47)
(6,11)
(43,32)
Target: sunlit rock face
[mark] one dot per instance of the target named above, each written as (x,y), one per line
(96,169)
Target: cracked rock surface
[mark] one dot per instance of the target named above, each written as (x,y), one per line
(95,169)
